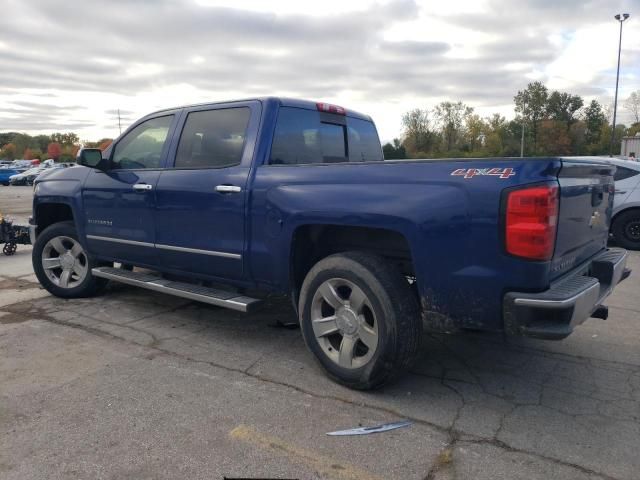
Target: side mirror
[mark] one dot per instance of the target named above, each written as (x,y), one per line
(90,157)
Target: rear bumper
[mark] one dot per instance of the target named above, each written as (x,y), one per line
(32,231)
(554,313)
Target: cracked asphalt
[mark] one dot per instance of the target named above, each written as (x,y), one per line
(134,384)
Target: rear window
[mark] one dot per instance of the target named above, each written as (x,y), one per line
(307,136)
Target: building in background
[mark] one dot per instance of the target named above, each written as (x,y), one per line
(630,146)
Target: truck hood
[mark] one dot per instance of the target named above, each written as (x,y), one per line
(78,173)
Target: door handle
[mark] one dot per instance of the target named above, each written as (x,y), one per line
(228,189)
(142,186)
(621,191)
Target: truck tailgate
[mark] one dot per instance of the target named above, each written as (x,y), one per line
(586,203)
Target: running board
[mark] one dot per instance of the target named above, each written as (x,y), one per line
(150,281)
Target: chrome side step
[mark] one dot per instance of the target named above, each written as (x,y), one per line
(150,281)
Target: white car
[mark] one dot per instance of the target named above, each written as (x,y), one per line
(47,171)
(27,177)
(625,224)
(22,178)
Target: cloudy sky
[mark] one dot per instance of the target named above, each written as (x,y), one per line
(68,65)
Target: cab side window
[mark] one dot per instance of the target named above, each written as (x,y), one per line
(142,146)
(213,138)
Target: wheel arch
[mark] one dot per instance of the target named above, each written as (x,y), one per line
(48,213)
(626,209)
(312,242)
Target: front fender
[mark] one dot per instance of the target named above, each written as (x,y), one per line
(63,187)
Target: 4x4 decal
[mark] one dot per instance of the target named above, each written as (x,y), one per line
(495,172)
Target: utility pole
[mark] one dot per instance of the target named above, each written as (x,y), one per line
(119,125)
(621,18)
(524,108)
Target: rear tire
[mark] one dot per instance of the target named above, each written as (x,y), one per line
(62,265)
(360,318)
(626,229)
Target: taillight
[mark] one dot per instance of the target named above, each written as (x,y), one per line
(327,107)
(531,222)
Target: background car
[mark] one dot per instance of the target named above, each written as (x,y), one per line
(43,173)
(22,178)
(24,164)
(625,224)
(28,177)
(7,173)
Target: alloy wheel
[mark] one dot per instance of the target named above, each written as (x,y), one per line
(65,262)
(344,323)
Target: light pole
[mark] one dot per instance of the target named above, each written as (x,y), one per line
(524,107)
(522,140)
(621,18)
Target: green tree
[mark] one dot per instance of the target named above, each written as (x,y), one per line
(531,103)
(594,119)
(451,117)
(633,105)
(22,141)
(68,138)
(7,137)
(633,129)
(554,138)
(563,107)
(513,137)
(41,141)
(495,140)
(69,153)
(394,150)
(417,133)
(577,134)
(475,133)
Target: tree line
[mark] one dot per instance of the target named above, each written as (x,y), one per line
(554,123)
(62,147)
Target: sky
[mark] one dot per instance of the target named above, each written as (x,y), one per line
(69,65)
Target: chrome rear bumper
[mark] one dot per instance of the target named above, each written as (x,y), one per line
(554,313)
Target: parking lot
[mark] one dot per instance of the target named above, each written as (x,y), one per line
(133,384)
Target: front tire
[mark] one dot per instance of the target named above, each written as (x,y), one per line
(62,265)
(360,318)
(626,229)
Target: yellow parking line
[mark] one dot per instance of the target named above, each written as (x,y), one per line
(322,464)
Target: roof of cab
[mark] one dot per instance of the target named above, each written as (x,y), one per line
(282,101)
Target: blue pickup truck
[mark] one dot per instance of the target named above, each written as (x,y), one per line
(225,202)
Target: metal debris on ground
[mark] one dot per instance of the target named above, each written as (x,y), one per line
(368,430)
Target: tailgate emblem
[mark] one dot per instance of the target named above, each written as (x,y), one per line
(493,172)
